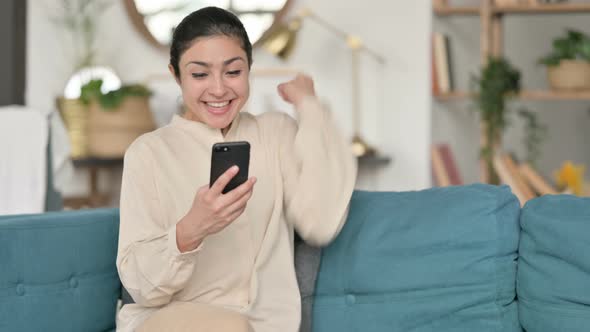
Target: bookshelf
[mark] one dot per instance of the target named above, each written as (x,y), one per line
(491,43)
(446,10)
(541,95)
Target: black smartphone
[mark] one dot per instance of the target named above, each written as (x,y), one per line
(224,156)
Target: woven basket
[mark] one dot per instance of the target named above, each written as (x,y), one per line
(75,117)
(111,131)
(569,75)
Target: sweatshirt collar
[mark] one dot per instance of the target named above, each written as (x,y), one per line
(202,128)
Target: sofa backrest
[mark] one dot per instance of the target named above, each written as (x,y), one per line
(554,264)
(57,271)
(442,259)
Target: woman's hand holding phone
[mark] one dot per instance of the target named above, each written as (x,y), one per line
(212,210)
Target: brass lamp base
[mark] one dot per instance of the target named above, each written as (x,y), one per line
(360,148)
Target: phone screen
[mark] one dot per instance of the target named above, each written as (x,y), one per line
(227,154)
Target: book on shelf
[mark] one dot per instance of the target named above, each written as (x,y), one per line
(508,173)
(444,168)
(439,173)
(434,76)
(441,73)
(535,180)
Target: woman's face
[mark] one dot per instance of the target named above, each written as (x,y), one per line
(214,80)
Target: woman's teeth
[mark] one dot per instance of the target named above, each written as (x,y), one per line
(218,105)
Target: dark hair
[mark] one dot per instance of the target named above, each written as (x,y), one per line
(207,22)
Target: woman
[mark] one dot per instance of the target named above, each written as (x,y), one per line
(195,259)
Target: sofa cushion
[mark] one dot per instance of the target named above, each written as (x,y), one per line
(442,259)
(554,265)
(307,264)
(58,271)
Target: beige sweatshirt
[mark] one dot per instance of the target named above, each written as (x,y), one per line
(306,174)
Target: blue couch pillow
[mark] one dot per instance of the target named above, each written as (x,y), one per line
(57,271)
(442,259)
(554,265)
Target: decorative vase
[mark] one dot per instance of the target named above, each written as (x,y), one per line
(569,75)
(75,116)
(111,131)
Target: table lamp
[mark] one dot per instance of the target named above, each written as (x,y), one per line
(280,41)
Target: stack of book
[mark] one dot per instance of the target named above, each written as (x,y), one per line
(526,183)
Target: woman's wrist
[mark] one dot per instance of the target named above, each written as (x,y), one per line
(299,101)
(185,241)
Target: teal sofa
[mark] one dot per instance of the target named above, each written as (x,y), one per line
(447,259)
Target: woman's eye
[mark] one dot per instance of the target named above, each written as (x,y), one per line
(199,75)
(234,72)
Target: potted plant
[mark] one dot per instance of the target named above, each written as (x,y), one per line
(568,65)
(497,83)
(116,118)
(79,19)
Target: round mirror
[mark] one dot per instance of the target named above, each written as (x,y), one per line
(156,20)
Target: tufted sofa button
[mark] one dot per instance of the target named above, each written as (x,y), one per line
(350,299)
(20,289)
(73,282)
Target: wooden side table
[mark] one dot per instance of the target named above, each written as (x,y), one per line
(95,198)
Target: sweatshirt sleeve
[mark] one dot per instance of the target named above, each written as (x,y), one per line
(150,266)
(319,173)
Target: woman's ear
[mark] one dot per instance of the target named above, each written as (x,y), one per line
(173,73)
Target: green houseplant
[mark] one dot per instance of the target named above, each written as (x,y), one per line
(568,64)
(497,83)
(109,101)
(116,118)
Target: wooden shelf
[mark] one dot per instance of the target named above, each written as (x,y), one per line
(547,95)
(532,9)
(97,162)
(554,95)
(374,160)
(452,96)
(545,8)
(456,10)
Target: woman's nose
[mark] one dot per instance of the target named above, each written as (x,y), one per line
(217,87)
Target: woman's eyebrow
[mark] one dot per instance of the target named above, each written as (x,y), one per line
(225,63)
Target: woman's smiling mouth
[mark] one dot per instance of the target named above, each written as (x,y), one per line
(218,108)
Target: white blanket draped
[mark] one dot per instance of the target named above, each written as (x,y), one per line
(23,160)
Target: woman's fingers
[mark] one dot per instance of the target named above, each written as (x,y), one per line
(223,180)
(239,204)
(234,195)
(235,215)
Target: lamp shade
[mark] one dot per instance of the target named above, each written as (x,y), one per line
(280,40)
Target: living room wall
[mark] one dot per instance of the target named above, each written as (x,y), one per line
(395,99)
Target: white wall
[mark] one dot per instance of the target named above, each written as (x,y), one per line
(527,38)
(395,99)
